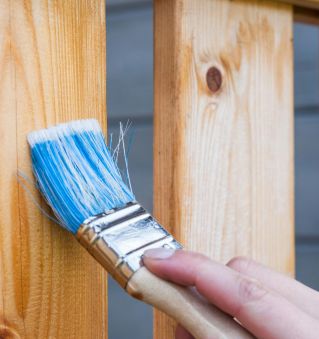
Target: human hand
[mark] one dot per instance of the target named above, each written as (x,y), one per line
(268,304)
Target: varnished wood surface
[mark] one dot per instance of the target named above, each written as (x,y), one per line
(224,152)
(52,69)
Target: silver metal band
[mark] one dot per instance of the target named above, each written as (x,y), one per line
(119,237)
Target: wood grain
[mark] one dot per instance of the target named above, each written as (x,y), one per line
(52,68)
(223,166)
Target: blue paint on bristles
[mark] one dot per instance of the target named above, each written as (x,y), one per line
(76,172)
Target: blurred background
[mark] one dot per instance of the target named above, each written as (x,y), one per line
(130,76)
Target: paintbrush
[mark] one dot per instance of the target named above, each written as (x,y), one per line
(79,178)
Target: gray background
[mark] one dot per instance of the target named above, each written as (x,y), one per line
(130,96)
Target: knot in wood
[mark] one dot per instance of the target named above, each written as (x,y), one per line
(214,79)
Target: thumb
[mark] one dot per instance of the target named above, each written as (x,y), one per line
(180,267)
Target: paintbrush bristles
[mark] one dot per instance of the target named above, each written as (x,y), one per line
(76,172)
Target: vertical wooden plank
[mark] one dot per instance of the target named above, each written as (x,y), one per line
(224,130)
(52,69)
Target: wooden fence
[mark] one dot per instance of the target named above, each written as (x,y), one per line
(223,144)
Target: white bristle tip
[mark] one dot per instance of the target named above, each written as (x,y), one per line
(53,133)
(38,137)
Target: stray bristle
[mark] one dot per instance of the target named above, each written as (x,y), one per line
(76,172)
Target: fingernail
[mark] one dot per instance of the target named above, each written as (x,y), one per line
(158,253)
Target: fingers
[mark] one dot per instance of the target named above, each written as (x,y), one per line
(181,333)
(302,296)
(261,311)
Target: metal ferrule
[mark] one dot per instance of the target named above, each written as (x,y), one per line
(118,238)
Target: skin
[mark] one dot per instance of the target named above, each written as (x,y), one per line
(268,304)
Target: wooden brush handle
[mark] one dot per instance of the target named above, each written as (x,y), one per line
(201,319)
